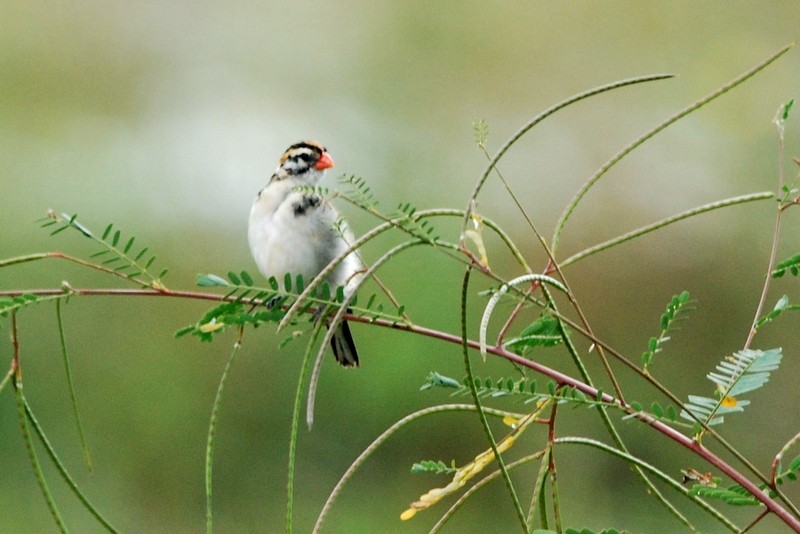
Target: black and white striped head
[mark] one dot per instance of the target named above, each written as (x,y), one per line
(306,160)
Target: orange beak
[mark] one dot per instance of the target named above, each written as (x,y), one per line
(325,162)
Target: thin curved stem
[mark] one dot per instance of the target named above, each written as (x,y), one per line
(478,485)
(337,318)
(557,376)
(664,477)
(765,195)
(464,341)
(212,430)
(650,134)
(377,442)
(539,118)
(298,402)
(71,386)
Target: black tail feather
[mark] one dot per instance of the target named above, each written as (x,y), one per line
(344,348)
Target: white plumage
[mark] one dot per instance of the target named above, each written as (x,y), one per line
(299,232)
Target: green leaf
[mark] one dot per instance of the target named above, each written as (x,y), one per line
(233,278)
(736,375)
(734,495)
(287,282)
(657,410)
(59,230)
(435,379)
(781,306)
(786,108)
(794,465)
(677,304)
(185,330)
(211,280)
(432,466)
(246,278)
(790,264)
(480,129)
(543,332)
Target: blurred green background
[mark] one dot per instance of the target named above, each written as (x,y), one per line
(166,118)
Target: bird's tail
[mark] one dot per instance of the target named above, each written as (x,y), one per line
(344,349)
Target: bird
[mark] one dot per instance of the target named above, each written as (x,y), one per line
(299,232)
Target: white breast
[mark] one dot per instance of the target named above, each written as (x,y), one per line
(283,241)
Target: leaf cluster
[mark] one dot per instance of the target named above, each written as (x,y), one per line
(437,467)
(505,387)
(780,307)
(248,304)
(116,254)
(545,331)
(677,304)
(668,413)
(740,373)
(10,305)
(736,495)
(791,265)
(404,217)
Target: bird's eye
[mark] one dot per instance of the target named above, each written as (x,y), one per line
(305,156)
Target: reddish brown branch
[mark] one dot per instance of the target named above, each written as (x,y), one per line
(560,378)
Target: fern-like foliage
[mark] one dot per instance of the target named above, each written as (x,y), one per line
(405,218)
(678,303)
(736,375)
(791,265)
(9,305)
(791,472)
(435,379)
(480,130)
(668,414)
(247,304)
(359,192)
(524,389)
(543,332)
(435,467)
(736,495)
(780,307)
(117,253)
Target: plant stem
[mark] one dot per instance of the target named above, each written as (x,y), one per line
(559,377)
(464,341)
